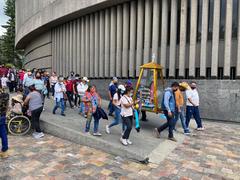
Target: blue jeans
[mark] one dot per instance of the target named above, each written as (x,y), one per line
(181,115)
(117,120)
(81,109)
(3,133)
(193,111)
(111,107)
(88,124)
(59,103)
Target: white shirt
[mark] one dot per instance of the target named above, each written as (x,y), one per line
(193,95)
(82,88)
(125,112)
(115,97)
(58,88)
(4,81)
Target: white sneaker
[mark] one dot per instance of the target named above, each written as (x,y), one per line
(37,135)
(123,141)
(88,133)
(34,134)
(97,134)
(107,129)
(129,142)
(41,134)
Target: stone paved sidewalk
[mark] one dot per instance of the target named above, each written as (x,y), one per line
(213,154)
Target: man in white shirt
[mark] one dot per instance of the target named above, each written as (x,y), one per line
(59,89)
(82,88)
(192,106)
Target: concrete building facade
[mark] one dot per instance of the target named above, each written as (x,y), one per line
(191,39)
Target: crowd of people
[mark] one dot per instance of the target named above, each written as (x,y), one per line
(33,86)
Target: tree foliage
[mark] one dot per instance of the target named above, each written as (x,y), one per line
(8,52)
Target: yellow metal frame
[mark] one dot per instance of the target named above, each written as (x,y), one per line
(157,68)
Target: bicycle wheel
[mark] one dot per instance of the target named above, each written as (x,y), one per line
(19,125)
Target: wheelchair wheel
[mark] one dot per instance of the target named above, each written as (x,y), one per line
(19,125)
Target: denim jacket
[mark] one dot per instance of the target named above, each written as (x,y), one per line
(168,101)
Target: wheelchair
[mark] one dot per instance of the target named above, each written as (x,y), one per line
(18,124)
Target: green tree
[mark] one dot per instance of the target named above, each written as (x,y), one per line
(8,50)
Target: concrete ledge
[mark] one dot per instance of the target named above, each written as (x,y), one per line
(88,140)
(145,145)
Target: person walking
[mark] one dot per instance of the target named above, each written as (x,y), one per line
(81,89)
(59,89)
(76,82)
(28,80)
(35,104)
(180,106)
(21,76)
(12,80)
(127,115)
(53,81)
(117,108)
(169,109)
(193,107)
(4,101)
(46,80)
(93,101)
(111,91)
(69,88)
(4,82)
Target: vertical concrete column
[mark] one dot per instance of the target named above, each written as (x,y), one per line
(203,55)
(61,50)
(155,30)
(64,49)
(238,49)
(147,30)
(58,51)
(83,37)
(133,32)
(67,47)
(78,63)
(70,50)
(75,46)
(119,40)
(113,41)
(228,38)
(107,43)
(87,44)
(215,39)
(182,44)
(54,49)
(96,43)
(125,56)
(92,33)
(164,35)
(173,39)
(102,33)
(140,30)
(193,38)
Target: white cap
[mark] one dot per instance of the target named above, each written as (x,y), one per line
(85,79)
(121,87)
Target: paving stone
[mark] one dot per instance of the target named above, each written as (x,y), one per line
(209,155)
